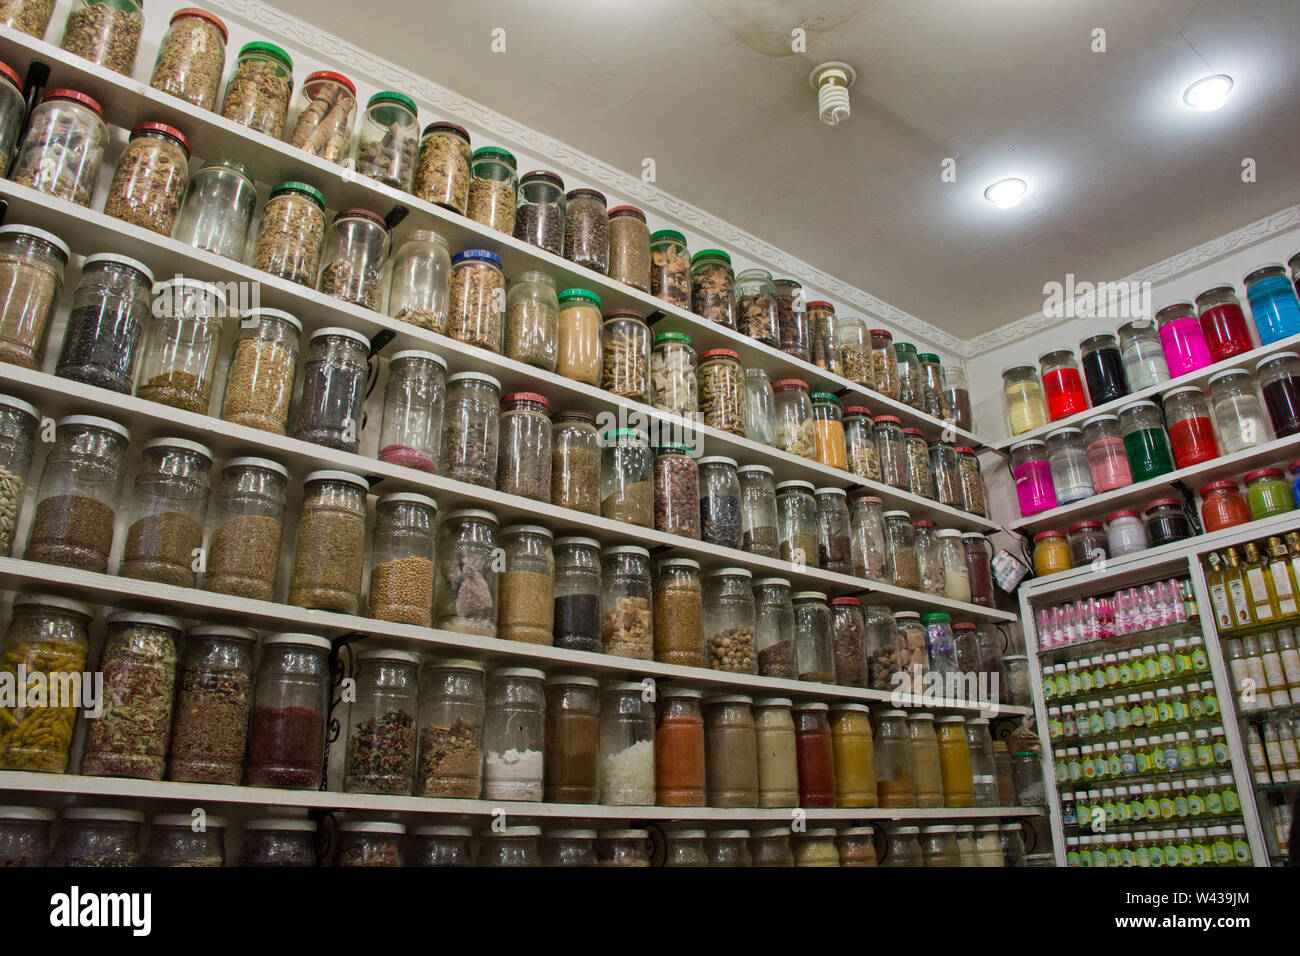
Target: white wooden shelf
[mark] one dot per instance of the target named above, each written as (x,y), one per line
(207,795)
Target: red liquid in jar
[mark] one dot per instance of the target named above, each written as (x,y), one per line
(1193,441)
(1226,331)
(1063,388)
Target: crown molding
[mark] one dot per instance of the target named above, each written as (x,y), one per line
(1171,268)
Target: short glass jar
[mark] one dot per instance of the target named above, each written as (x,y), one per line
(411,432)
(1062,384)
(389,140)
(421,277)
(1239,417)
(1166,522)
(492,185)
(1279,381)
(1035,491)
(356,251)
(63,147)
(438,846)
(1267,493)
(1146,443)
(1051,553)
(324,127)
(1107,460)
(510,846)
(258,91)
(670,268)
(1273,303)
(1182,339)
(539,212)
(1125,533)
(1087,542)
(1103,367)
(1022,394)
(173,841)
(1227,332)
(1144,357)
(570,847)
(279,841)
(98,837)
(1222,506)
(1191,432)
(1069,464)
(333,392)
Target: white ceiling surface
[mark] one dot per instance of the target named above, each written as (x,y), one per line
(1121,174)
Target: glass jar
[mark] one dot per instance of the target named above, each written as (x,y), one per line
(1146,443)
(28,16)
(356,251)
(1103,367)
(63,147)
(1191,433)
(401,559)
(774,627)
(465,591)
(956,395)
(1022,394)
(854,762)
(853,343)
(81,485)
(577,594)
(279,842)
(1062,384)
(822,337)
(1238,415)
(625,351)
(390,137)
(31,279)
(477,303)
(214,686)
(524,446)
(333,392)
(568,848)
(966,651)
(25,836)
(286,735)
(173,841)
(672,375)
(513,734)
(927,772)
(891,451)
(728,621)
(150,178)
(469,428)
(731,751)
(1267,493)
(1035,490)
(1273,303)
(579,339)
(792,320)
(1182,339)
(1223,322)
(324,127)
(1107,460)
(626,595)
(722,391)
(1144,357)
(939,846)
(911,390)
(586,230)
(685,848)
(814,637)
(860,444)
(247,521)
(104,33)
(815,756)
(539,212)
(901,567)
(439,846)
(527,584)
(955,762)
(452,702)
(973,496)
(1087,542)
(794,417)
(1027,774)
(984,776)
(442,173)
(572,773)
(796,522)
(713,287)
(257,94)
(834,531)
(629,247)
(956,578)
(979,566)
(1068,461)
(532,321)
(291,235)
(1125,533)
(627,745)
(904,848)
(626,485)
(180,352)
(940,645)
(755,309)
(106,326)
(98,837)
(1016,674)
(48,641)
(680,778)
(330,543)
(758,519)
(510,846)
(828,431)
(719,499)
(670,268)
(728,848)
(929,557)
(575,462)
(676,491)
(947,474)
(778,770)
(760,407)
(411,434)
(381,735)
(933,395)
(892,750)
(1222,506)
(1279,380)
(419,291)
(260,377)
(920,477)
(165,536)
(849,643)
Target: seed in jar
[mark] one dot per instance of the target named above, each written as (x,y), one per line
(470,455)
(778,660)
(575,478)
(258,97)
(289,241)
(11,496)
(161,547)
(259,386)
(677,496)
(29,16)
(323,127)
(492,204)
(632,502)
(836,554)
(670,276)
(401,590)
(857,365)
(477,300)
(190,62)
(527,611)
(442,174)
(391,158)
(72,530)
(30,295)
(756,316)
(885,367)
(763,541)
(381,756)
(147,187)
(327,563)
(711,294)
(677,625)
(732,649)
(882,665)
(542,225)
(531,329)
(244,556)
(586,232)
(104,34)
(178,389)
(920,479)
(720,520)
(362,286)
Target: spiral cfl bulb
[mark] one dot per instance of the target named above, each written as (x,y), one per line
(832,82)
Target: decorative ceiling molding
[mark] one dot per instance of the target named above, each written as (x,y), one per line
(615,180)
(1207,252)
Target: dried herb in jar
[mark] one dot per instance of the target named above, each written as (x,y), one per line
(104,33)
(381,755)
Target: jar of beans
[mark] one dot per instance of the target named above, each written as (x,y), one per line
(442,173)
(247,521)
(150,178)
(330,543)
(401,559)
(31,278)
(586,230)
(722,390)
(165,537)
(469,428)
(411,433)
(524,446)
(292,233)
(676,491)
(333,389)
(713,287)
(257,95)
(477,306)
(539,215)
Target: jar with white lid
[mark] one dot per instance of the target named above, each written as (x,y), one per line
(571,847)
(452,702)
(770,846)
(626,614)
(729,621)
(577,593)
(533,321)
(758,522)
(150,178)
(284,841)
(678,613)
(330,543)
(31,279)
(526,610)
(420,287)
(816,847)
(439,846)
(366,843)
(956,577)
(465,591)
(627,745)
(25,836)
(575,461)
(291,235)
(401,561)
(214,697)
(895,787)
(98,837)
(381,724)
(63,148)
(262,371)
(983,767)
(901,567)
(513,734)
(572,744)
(867,527)
(180,353)
(623,848)
(469,428)
(510,846)
(796,522)
(856,846)
(731,751)
(111,310)
(286,735)
(774,629)
(390,136)
(411,433)
(247,522)
(164,540)
(685,848)
(814,637)
(333,388)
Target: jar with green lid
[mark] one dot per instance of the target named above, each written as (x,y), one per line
(626,482)
(756,312)
(625,355)
(854,344)
(673,385)
(291,235)
(934,399)
(442,173)
(579,340)
(713,287)
(586,229)
(389,140)
(822,336)
(257,95)
(670,268)
(493,181)
(911,389)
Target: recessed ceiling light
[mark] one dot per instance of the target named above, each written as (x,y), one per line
(1006,193)
(1208,93)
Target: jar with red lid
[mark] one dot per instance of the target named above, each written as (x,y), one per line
(1051,553)
(192,58)
(324,126)
(1227,332)
(1062,383)
(1182,339)
(885,364)
(1222,506)
(814,756)
(821,330)
(524,446)
(1107,460)
(1125,533)
(1268,493)
(150,178)
(1087,541)
(1166,522)
(1033,476)
(63,147)
(722,390)
(1191,431)
(1279,381)
(794,417)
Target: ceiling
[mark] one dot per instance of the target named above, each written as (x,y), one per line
(1121,174)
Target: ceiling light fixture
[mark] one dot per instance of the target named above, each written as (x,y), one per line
(832,82)
(1209,93)
(1006,193)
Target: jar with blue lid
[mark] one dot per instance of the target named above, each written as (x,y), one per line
(477,304)
(1273,302)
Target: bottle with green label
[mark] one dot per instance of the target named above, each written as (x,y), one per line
(1221,846)
(1212,796)
(1240,845)
(1228,793)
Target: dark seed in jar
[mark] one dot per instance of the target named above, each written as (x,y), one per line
(778,660)
(677,496)
(586,233)
(763,541)
(920,478)
(542,225)
(720,520)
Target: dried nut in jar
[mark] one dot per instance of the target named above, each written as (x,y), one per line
(257,95)
(670,268)
(722,391)
(625,353)
(105,32)
(324,127)
(672,375)
(389,139)
(756,309)
(192,58)
(150,178)
(28,16)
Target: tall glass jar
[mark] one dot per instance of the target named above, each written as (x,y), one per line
(678,613)
(330,543)
(575,462)
(586,229)
(390,136)
(884,362)
(401,559)
(722,390)
(778,770)
(940,644)
(933,397)
(979,567)
(867,528)
(719,486)
(524,446)
(728,621)
(476,305)
(854,345)
(492,187)
(164,540)
(627,745)
(150,178)
(1107,461)
(180,352)
(257,94)
(828,431)
(411,433)
(760,407)
(214,696)
(1273,303)
(218,209)
(756,311)
(855,766)
(577,594)
(672,375)
(815,756)
(1103,367)
(18,422)
(947,473)
(572,745)
(1062,384)
(822,336)
(31,279)
(527,586)
(33,18)
(1279,380)
(63,147)
(758,519)
(381,724)
(420,288)
(1022,394)
(260,377)
(774,629)
(324,127)
(680,777)
(1191,432)
(625,602)
(97,836)
(1068,462)
(910,388)
(247,521)
(533,321)
(625,355)
(629,247)
(291,235)
(973,495)
(579,336)
(465,590)
(891,450)
(81,486)
(796,522)
(792,320)
(356,250)
(452,707)
(860,443)
(955,762)
(286,734)
(514,733)
(333,391)
(901,567)
(834,534)
(106,327)
(895,784)
(920,475)
(956,392)
(713,287)
(1238,414)
(929,557)
(1146,443)
(849,642)
(731,751)
(1182,339)
(1227,332)
(1033,477)
(956,578)
(794,424)
(626,485)
(1144,357)
(469,428)
(539,212)
(676,491)
(814,637)
(442,173)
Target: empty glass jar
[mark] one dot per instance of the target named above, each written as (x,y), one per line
(419,290)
